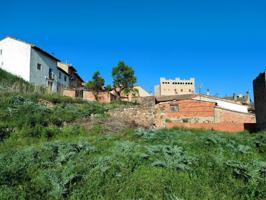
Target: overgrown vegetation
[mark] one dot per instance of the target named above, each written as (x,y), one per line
(44,156)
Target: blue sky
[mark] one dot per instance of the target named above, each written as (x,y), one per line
(222,43)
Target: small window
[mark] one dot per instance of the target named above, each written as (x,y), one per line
(1,51)
(181,90)
(185,120)
(65,78)
(39,66)
(174,108)
(60,75)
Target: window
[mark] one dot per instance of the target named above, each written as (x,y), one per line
(51,74)
(65,78)
(181,90)
(39,66)
(174,108)
(185,120)
(1,51)
(60,75)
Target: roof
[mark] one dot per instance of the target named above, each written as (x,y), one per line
(62,71)
(190,96)
(174,98)
(79,77)
(219,98)
(34,47)
(69,66)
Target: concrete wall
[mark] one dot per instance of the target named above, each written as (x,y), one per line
(15,57)
(259,86)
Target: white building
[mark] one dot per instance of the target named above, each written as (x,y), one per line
(141,91)
(32,64)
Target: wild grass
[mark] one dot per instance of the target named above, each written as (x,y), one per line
(44,156)
(70,162)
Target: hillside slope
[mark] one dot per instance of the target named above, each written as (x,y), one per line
(12,82)
(48,151)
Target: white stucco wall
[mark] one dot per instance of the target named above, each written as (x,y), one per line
(15,57)
(40,77)
(225,104)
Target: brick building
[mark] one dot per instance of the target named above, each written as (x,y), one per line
(259,87)
(189,111)
(88,95)
(201,111)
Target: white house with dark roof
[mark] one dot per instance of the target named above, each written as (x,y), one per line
(32,64)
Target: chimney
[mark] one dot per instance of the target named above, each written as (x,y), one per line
(208,92)
(247,98)
(234,97)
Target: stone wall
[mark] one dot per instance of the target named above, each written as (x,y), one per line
(142,115)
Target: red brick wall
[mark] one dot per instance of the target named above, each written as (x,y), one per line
(234,117)
(69,93)
(228,121)
(190,108)
(226,127)
(103,97)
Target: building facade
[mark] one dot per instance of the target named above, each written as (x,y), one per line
(175,87)
(75,81)
(32,64)
(259,87)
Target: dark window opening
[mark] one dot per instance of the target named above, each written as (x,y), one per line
(174,108)
(39,66)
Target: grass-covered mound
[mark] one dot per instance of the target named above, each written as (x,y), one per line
(11,83)
(43,156)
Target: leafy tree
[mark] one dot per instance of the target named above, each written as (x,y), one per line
(96,84)
(108,88)
(124,79)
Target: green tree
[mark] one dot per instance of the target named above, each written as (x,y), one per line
(96,84)
(123,79)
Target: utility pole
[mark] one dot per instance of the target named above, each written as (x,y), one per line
(199,89)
